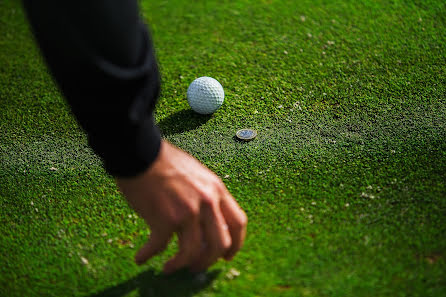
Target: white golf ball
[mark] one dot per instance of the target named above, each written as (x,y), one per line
(205,95)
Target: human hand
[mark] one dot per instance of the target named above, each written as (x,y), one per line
(177,194)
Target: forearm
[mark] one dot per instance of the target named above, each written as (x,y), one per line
(100,55)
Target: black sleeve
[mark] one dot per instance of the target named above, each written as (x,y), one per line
(101,56)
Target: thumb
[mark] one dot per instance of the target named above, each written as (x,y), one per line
(157,243)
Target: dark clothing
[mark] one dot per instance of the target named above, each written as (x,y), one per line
(102,58)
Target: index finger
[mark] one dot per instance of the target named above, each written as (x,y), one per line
(157,242)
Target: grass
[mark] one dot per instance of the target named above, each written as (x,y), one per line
(345,185)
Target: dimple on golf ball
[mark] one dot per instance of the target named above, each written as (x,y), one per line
(205,95)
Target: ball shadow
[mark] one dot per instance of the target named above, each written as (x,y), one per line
(182,121)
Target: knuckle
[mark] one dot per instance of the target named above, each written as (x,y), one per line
(186,213)
(219,185)
(191,210)
(208,201)
(241,221)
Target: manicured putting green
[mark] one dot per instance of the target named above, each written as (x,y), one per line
(344,185)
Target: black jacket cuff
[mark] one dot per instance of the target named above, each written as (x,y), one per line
(131,150)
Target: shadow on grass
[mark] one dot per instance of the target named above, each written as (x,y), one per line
(182,121)
(149,283)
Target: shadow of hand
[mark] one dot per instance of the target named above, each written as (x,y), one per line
(150,284)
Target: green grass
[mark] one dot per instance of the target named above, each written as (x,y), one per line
(345,185)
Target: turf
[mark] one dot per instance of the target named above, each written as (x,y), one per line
(345,185)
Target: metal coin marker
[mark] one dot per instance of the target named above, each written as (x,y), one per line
(246,134)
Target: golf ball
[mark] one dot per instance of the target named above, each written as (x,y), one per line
(205,95)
